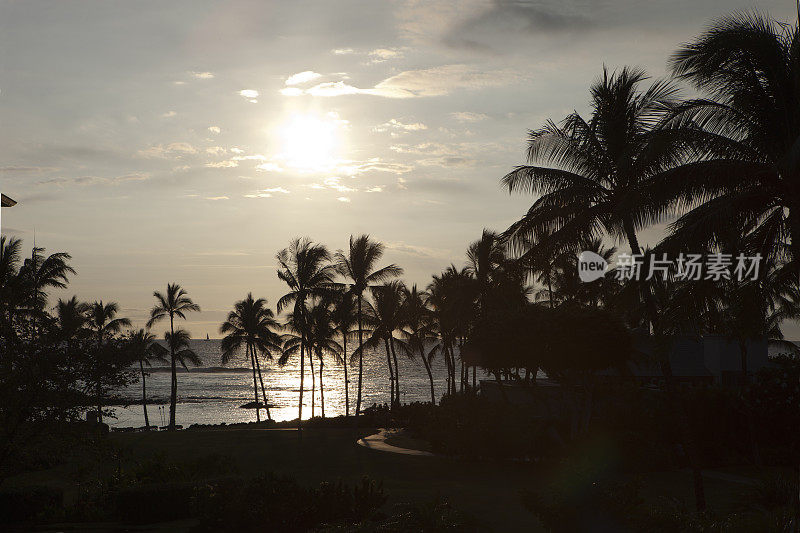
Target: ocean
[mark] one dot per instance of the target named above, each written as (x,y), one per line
(212,394)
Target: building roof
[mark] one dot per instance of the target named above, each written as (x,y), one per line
(5,201)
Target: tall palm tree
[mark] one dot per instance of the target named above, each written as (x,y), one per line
(344,320)
(358,267)
(174,303)
(419,330)
(746,132)
(251,324)
(305,269)
(103,322)
(603,176)
(145,350)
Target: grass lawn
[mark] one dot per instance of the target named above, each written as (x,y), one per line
(488,492)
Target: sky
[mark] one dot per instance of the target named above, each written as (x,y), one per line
(189,141)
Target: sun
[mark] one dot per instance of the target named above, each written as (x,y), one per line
(310,142)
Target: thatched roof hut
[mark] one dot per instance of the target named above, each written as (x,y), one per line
(5,201)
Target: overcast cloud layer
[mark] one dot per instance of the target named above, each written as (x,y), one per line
(149,139)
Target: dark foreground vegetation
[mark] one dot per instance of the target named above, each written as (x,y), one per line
(595,448)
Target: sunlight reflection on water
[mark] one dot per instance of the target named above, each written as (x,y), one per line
(208,395)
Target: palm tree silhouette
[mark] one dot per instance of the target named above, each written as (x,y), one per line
(175,303)
(304,268)
(251,324)
(344,320)
(383,317)
(322,332)
(746,135)
(37,274)
(419,330)
(145,350)
(358,269)
(103,323)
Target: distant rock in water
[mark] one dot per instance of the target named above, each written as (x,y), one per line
(252,405)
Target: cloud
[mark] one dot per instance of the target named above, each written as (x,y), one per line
(223,164)
(379,55)
(344,199)
(292,91)
(96,180)
(169,114)
(435,81)
(277,189)
(25,170)
(250,94)
(173,149)
(468,116)
(377,188)
(419,251)
(302,77)
(217,198)
(202,75)
(267,193)
(214,129)
(342,51)
(396,128)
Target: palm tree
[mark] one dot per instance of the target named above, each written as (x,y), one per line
(419,330)
(251,324)
(747,134)
(10,294)
(358,269)
(175,303)
(39,273)
(71,319)
(344,320)
(322,338)
(145,349)
(304,268)
(103,323)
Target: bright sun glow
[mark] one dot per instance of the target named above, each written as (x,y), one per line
(311,142)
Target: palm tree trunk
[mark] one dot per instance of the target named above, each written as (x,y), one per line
(430,374)
(144,397)
(99,378)
(173,395)
(391,371)
(302,376)
(263,390)
(396,371)
(360,359)
(313,377)
(346,382)
(321,389)
(743,351)
(255,383)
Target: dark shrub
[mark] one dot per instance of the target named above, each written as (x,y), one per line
(27,503)
(159,502)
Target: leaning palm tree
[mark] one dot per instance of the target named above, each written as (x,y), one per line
(304,267)
(71,319)
(103,323)
(344,320)
(145,350)
(747,131)
(175,303)
(251,324)
(358,267)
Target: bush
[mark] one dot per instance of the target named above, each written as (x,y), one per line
(273,503)
(158,502)
(27,503)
